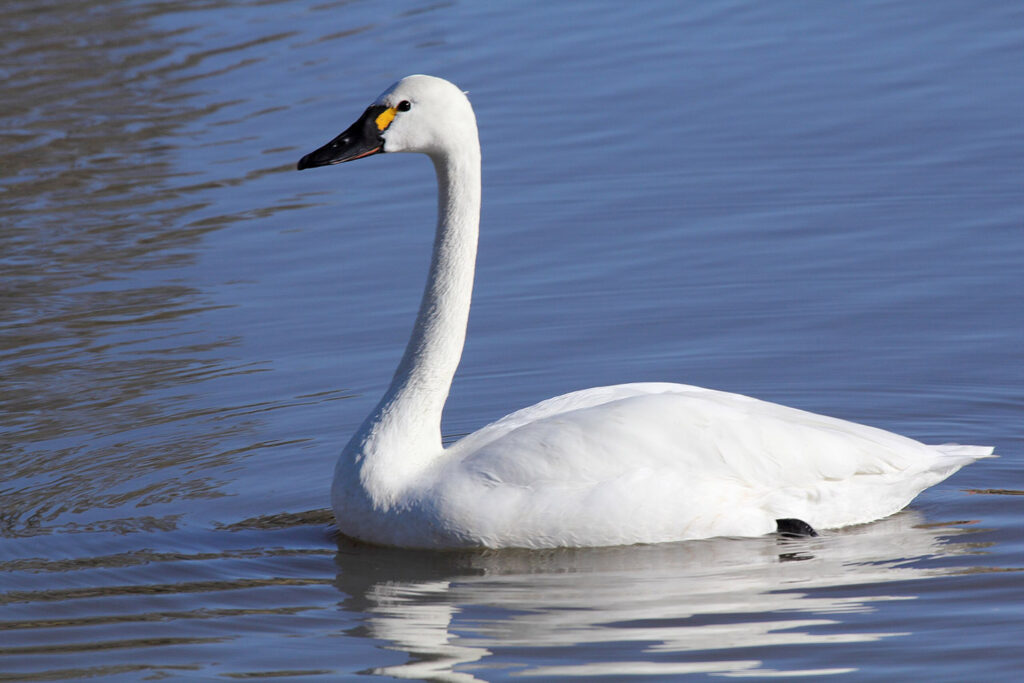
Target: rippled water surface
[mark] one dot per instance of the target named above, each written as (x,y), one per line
(814,203)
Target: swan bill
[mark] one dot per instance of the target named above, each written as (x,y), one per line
(361,139)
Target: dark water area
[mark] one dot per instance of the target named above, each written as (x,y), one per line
(816,204)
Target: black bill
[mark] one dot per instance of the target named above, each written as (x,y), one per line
(359,140)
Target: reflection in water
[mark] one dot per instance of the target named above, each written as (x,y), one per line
(723,596)
(731,606)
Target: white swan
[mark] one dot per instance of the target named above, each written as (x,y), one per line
(634,463)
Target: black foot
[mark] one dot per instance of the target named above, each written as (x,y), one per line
(792,526)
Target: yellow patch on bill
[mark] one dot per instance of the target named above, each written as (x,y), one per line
(385,118)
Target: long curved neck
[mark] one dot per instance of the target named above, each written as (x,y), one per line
(420,386)
(405,427)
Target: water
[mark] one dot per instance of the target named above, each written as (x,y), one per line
(818,204)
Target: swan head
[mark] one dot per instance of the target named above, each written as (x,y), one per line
(417,114)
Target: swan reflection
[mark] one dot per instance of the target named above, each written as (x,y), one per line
(636,609)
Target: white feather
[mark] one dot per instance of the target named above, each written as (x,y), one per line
(634,463)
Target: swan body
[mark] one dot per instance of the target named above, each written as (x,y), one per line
(632,463)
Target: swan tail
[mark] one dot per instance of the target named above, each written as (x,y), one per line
(953,456)
(966,453)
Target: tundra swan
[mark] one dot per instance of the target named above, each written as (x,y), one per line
(616,465)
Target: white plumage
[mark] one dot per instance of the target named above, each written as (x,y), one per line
(633,463)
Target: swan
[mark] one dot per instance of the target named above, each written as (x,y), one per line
(614,465)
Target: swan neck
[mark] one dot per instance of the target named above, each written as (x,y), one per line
(415,400)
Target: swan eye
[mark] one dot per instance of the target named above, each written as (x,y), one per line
(404,105)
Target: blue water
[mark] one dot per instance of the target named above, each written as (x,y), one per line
(818,204)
